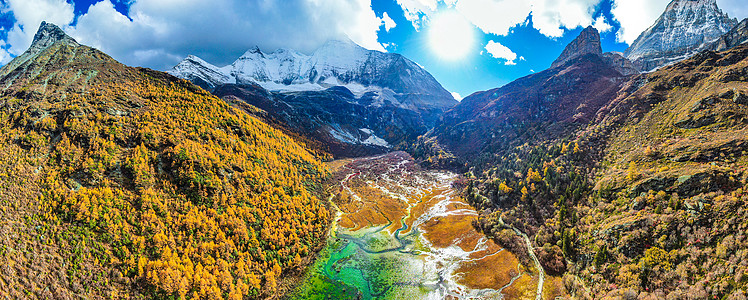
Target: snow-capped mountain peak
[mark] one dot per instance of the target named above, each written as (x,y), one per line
(685,28)
(201,72)
(253,52)
(391,77)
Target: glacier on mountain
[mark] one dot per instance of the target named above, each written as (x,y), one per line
(393,78)
(684,29)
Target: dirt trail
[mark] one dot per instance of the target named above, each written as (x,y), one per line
(531,252)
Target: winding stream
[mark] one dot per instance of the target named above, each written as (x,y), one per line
(401,232)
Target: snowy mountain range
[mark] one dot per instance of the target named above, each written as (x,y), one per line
(684,29)
(392,77)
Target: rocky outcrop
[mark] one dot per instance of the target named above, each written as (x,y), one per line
(684,29)
(47,35)
(588,42)
(620,63)
(343,124)
(736,36)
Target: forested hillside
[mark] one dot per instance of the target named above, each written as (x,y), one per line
(127,182)
(647,199)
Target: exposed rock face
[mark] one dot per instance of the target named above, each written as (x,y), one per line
(342,123)
(736,36)
(47,35)
(588,42)
(684,29)
(620,63)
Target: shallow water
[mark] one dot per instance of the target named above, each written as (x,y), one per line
(403,233)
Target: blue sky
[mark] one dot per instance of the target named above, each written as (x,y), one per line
(479,70)
(506,39)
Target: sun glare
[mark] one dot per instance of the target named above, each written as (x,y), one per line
(451,36)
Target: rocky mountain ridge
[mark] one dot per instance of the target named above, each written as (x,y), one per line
(685,28)
(562,98)
(392,77)
(587,42)
(354,101)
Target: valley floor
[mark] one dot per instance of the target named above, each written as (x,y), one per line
(405,233)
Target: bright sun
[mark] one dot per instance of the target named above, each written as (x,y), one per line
(451,36)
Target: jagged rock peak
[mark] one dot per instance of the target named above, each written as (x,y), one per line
(685,28)
(736,36)
(588,42)
(47,35)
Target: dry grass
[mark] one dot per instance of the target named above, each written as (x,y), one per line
(553,288)
(490,272)
(452,230)
(524,287)
(425,203)
(373,209)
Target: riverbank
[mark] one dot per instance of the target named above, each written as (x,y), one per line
(402,232)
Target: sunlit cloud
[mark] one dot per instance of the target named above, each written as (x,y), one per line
(500,51)
(601,24)
(159,33)
(388,22)
(497,17)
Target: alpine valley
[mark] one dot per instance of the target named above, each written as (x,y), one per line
(349,173)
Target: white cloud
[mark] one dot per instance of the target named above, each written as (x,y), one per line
(29,14)
(500,51)
(493,16)
(456,96)
(550,17)
(635,16)
(601,24)
(416,10)
(161,32)
(389,46)
(4,55)
(389,23)
(358,20)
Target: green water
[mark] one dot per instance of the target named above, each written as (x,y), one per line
(368,264)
